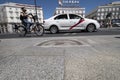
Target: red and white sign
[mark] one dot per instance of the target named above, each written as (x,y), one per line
(75,25)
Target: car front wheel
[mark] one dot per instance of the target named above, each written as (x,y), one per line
(53,29)
(90,28)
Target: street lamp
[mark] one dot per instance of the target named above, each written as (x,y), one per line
(36,9)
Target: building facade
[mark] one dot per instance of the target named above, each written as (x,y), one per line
(10,15)
(74,10)
(69,6)
(101,12)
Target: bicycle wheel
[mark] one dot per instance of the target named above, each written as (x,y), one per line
(22,31)
(39,30)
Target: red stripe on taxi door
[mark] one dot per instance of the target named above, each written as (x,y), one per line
(80,21)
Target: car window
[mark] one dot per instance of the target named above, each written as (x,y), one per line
(64,16)
(73,16)
(116,21)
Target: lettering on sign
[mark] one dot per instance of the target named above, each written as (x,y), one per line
(71,1)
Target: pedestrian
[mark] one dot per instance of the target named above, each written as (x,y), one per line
(108,20)
(109,23)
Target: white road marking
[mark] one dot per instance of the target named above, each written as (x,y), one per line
(66,34)
(74,33)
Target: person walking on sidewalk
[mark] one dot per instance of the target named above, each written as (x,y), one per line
(108,20)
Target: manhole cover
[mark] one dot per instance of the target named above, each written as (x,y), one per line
(60,42)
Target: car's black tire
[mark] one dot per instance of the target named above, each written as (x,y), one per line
(39,30)
(21,31)
(54,29)
(90,28)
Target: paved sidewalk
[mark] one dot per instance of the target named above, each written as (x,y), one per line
(60,58)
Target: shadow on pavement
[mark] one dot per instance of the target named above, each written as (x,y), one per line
(99,32)
(117,37)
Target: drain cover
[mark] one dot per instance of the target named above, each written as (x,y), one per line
(60,42)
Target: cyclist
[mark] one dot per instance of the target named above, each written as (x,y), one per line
(24,18)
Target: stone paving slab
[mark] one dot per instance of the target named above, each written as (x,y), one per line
(41,51)
(32,68)
(93,60)
(86,63)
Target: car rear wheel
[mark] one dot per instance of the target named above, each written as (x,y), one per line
(53,29)
(91,28)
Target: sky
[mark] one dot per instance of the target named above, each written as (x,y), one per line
(49,6)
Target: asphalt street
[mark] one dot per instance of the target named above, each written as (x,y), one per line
(63,56)
(101,31)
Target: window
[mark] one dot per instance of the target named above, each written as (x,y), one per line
(117,9)
(39,14)
(63,16)
(109,9)
(80,11)
(16,9)
(101,17)
(98,10)
(98,14)
(102,10)
(10,11)
(98,18)
(102,14)
(17,18)
(72,16)
(113,9)
(116,13)
(106,9)
(83,11)
(76,11)
(17,14)
(11,17)
(70,12)
(112,17)
(60,11)
(10,8)
(113,13)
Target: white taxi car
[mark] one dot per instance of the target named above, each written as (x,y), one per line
(70,22)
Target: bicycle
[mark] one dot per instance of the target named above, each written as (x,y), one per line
(35,28)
